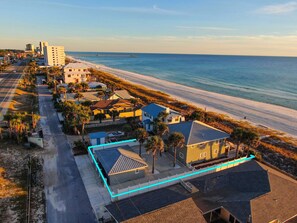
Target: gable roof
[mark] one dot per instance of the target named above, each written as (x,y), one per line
(118,160)
(97,135)
(108,104)
(153,109)
(123,94)
(197,132)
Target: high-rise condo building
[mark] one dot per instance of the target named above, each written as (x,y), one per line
(42,44)
(54,55)
(30,48)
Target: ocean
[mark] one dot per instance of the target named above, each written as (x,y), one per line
(272,80)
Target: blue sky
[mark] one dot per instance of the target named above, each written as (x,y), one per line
(266,27)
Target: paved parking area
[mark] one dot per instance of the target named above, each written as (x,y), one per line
(97,193)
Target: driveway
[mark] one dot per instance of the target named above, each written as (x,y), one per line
(66,196)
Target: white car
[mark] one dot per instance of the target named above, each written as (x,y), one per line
(115,134)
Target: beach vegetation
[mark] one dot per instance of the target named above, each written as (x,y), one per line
(176,140)
(141,135)
(154,145)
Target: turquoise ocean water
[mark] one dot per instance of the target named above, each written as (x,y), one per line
(271,80)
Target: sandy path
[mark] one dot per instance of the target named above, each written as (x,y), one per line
(272,116)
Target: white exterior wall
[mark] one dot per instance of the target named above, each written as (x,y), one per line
(54,55)
(41,47)
(75,75)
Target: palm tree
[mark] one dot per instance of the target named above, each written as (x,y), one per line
(176,140)
(238,137)
(160,128)
(78,96)
(100,117)
(83,117)
(141,135)
(114,114)
(154,145)
(134,101)
(71,85)
(127,129)
(162,116)
(251,139)
(78,87)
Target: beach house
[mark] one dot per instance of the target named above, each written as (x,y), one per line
(75,73)
(120,164)
(119,94)
(124,107)
(248,193)
(202,142)
(155,111)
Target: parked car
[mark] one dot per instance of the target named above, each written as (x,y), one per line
(116,134)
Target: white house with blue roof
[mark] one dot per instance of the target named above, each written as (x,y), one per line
(152,111)
(97,138)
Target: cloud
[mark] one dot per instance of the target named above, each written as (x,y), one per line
(278,9)
(209,28)
(140,10)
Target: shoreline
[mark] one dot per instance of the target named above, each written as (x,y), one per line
(257,113)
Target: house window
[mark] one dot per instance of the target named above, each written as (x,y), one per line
(70,70)
(181,155)
(85,70)
(69,75)
(202,155)
(137,171)
(78,69)
(216,151)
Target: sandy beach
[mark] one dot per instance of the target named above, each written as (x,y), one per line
(272,116)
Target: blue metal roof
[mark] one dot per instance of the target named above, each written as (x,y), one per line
(197,132)
(97,135)
(153,109)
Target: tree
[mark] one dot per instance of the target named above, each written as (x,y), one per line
(78,87)
(141,135)
(71,85)
(100,94)
(63,90)
(35,119)
(251,139)
(127,129)
(78,96)
(83,117)
(100,117)
(114,114)
(134,101)
(196,115)
(84,86)
(154,145)
(238,137)
(160,129)
(176,140)
(162,116)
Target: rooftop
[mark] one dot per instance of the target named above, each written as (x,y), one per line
(197,132)
(76,66)
(124,94)
(153,109)
(247,189)
(97,135)
(118,160)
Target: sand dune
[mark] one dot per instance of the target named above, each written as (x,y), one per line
(272,116)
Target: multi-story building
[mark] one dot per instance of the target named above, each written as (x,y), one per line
(30,48)
(202,142)
(54,55)
(154,111)
(75,73)
(42,44)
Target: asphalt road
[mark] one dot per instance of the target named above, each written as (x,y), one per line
(8,83)
(66,196)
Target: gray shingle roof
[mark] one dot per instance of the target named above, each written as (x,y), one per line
(118,160)
(153,109)
(197,132)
